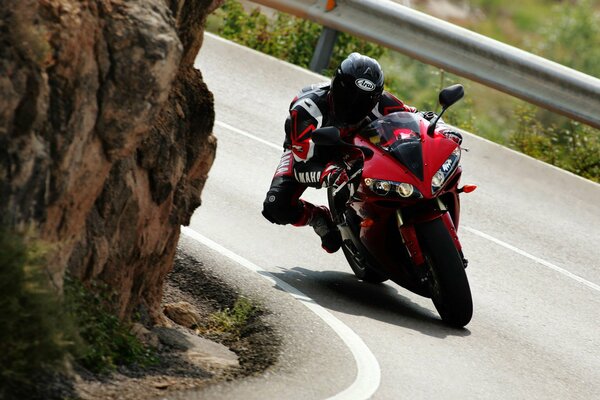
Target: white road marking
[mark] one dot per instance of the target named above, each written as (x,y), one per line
(474,231)
(534,258)
(368,375)
(248,135)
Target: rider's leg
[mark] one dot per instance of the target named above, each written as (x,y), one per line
(283,206)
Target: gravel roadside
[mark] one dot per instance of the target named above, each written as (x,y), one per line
(255,346)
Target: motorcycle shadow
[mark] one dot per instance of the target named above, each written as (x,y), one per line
(343,292)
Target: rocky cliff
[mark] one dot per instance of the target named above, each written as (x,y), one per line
(105,135)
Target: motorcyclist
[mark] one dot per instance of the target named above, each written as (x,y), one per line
(354,97)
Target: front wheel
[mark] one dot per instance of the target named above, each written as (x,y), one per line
(448,282)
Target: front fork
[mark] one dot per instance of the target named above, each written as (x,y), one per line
(409,233)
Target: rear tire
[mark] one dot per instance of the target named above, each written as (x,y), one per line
(360,266)
(448,281)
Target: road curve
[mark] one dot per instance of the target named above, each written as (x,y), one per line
(535,331)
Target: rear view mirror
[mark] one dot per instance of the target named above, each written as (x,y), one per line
(451,95)
(326,136)
(448,96)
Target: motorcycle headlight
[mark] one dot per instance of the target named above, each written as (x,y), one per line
(405,189)
(382,187)
(437,179)
(385,188)
(445,171)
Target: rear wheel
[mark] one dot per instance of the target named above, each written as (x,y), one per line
(360,265)
(448,281)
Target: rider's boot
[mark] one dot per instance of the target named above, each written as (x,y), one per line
(320,219)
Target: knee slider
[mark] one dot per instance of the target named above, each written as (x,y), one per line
(276,212)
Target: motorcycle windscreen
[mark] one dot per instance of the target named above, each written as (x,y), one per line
(398,134)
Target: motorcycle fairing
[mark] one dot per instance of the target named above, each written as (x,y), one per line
(399,134)
(409,153)
(404,140)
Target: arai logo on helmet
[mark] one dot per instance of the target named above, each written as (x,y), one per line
(365,84)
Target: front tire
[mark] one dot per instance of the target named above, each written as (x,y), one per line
(448,281)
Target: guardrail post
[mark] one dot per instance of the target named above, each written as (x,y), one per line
(323,50)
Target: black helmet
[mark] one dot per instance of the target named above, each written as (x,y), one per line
(356,88)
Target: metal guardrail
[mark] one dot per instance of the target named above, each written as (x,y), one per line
(460,51)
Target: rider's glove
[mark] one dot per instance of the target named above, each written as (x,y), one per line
(333,176)
(453,135)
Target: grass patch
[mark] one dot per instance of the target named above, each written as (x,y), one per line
(231,321)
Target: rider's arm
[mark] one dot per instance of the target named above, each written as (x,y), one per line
(305,117)
(390,103)
(315,170)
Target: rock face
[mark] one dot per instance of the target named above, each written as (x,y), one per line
(105,134)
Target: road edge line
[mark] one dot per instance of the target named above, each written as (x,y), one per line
(368,374)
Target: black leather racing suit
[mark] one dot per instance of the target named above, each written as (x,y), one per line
(302,163)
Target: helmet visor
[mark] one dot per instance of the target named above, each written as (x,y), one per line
(352,105)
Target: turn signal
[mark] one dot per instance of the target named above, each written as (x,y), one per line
(467,188)
(367,222)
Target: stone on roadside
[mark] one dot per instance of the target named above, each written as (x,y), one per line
(198,351)
(144,335)
(182,313)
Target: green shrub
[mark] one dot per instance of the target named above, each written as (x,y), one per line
(570,146)
(106,341)
(41,330)
(35,333)
(570,31)
(572,34)
(531,137)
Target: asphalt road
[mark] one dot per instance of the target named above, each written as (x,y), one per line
(531,233)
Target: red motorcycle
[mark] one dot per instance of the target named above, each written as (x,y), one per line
(399,211)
